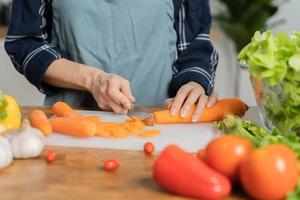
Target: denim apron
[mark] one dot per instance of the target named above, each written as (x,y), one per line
(132,38)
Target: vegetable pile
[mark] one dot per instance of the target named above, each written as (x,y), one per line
(258,135)
(70,122)
(16,141)
(274,60)
(20,143)
(265,170)
(271,171)
(182,173)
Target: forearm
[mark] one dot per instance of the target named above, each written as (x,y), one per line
(67,74)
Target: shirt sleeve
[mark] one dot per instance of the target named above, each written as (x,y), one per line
(27,41)
(197,58)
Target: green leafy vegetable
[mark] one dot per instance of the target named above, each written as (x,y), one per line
(295,195)
(275,60)
(258,135)
(261,137)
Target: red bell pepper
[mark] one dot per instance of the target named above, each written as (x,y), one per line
(182,173)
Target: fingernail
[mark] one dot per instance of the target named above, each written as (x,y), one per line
(184,112)
(195,118)
(128,105)
(173,111)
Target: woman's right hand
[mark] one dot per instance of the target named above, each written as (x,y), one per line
(112,92)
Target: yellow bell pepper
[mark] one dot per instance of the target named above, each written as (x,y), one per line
(10,115)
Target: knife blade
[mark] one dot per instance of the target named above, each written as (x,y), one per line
(146,117)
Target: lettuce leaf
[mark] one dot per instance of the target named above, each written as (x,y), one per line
(275,59)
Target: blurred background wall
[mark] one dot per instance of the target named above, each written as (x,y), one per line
(230,80)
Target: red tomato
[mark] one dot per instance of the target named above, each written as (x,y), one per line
(149,148)
(50,156)
(111,165)
(225,154)
(200,154)
(270,172)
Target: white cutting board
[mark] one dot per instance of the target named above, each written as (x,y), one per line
(190,137)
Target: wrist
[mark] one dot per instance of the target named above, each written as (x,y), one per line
(89,75)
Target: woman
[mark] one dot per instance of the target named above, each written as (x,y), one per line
(113,53)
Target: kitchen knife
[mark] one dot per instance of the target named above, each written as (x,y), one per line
(146,117)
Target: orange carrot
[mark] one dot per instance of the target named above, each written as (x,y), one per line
(75,126)
(111,129)
(148,121)
(39,120)
(234,106)
(61,109)
(120,130)
(149,133)
(94,118)
(133,125)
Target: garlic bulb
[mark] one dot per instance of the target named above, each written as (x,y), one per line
(5,153)
(26,142)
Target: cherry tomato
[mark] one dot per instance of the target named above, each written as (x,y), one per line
(111,165)
(149,148)
(50,156)
(226,153)
(270,172)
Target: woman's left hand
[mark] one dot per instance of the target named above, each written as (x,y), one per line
(188,95)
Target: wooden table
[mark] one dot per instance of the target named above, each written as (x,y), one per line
(76,174)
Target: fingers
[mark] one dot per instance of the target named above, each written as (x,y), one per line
(190,101)
(102,103)
(125,89)
(114,92)
(168,103)
(212,100)
(200,107)
(108,104)
(116,107)
(181,95)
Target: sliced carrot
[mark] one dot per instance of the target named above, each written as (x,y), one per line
(234,106)
(62,109)
(71,122)
(148,121)
(75,126)
(94,118)
(111,129)
(39,120)
(133,125)
(149,133)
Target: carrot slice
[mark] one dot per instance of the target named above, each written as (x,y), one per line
(148,121)
(133,125)
(93,118)
(111,129)
(234,106)
(39,120)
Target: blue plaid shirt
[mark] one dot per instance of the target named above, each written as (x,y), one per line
(28,43)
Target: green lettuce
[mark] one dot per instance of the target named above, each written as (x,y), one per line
(275,60)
